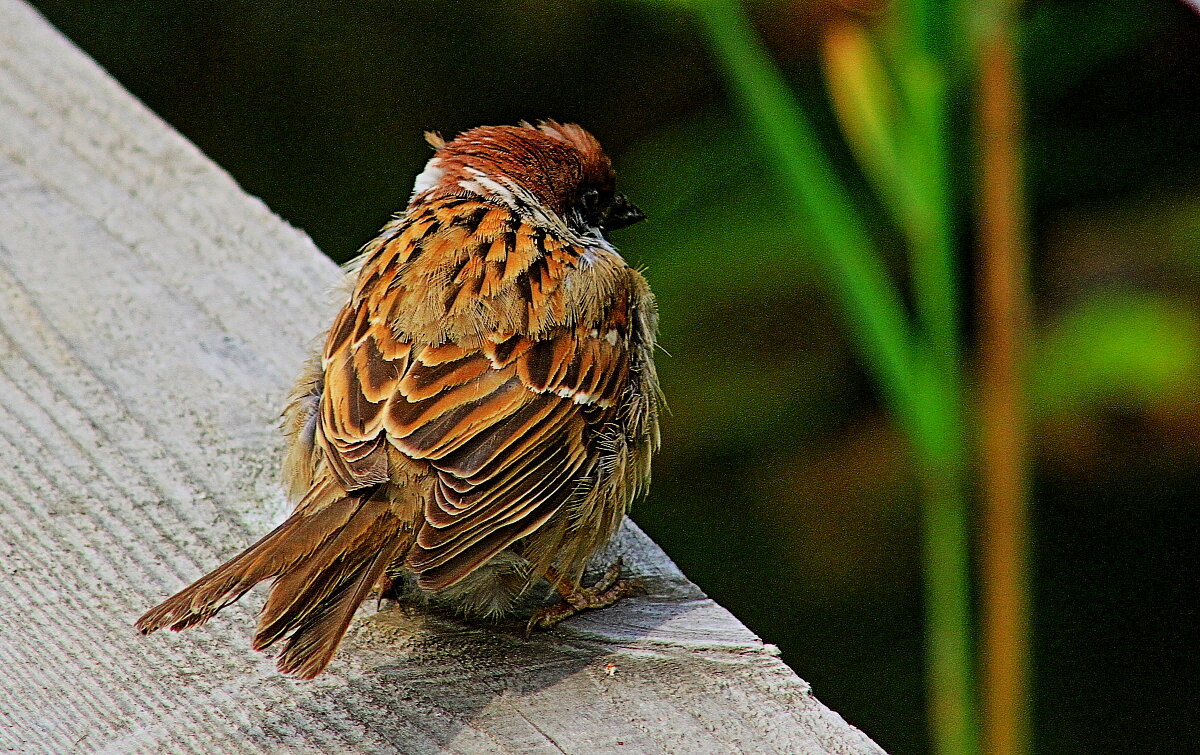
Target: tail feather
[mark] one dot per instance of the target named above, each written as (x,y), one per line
(330,567)
(315,640)
(327,558)
(270,556)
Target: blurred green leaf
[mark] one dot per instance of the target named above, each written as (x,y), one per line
(1122,349)
(869,112)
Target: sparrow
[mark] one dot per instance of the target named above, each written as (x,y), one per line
(483,410)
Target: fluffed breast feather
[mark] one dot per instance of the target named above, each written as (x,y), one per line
(520,406)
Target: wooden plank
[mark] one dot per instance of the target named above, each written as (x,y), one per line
(152,316)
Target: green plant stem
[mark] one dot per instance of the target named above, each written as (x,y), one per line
(923,30)
(872,303)
(934,280)
(946,550)
(919,378)
(950,680)
(946,566)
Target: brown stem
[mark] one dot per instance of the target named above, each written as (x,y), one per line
(1002,319)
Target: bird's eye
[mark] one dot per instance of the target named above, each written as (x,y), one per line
(590,201)
(591,205)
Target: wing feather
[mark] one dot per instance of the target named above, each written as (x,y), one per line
(508,421)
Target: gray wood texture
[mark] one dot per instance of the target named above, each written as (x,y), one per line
(152,316)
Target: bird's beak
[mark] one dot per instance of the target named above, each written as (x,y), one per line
(621,213)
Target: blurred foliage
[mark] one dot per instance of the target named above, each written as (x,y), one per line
(1120,351)
(783,488)
(890,92)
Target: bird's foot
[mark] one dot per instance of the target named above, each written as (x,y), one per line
(608,590)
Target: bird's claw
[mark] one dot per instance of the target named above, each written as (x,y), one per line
(607,590)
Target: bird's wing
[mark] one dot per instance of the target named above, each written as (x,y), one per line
(509,424)
(511,445)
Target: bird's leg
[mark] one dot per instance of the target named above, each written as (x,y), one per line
(386,589)
(608,590)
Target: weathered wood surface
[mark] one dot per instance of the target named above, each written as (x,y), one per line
(151,317)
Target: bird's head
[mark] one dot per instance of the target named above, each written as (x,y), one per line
(549,168)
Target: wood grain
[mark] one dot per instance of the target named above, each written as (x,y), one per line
(151,317)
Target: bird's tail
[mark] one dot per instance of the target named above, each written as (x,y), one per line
(327,558)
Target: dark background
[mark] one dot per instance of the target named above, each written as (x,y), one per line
(783,488)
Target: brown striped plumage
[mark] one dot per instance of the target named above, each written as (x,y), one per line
(482,413)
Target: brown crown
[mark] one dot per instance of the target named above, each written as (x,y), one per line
(552,161)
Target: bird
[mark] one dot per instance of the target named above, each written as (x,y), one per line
(482,413)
